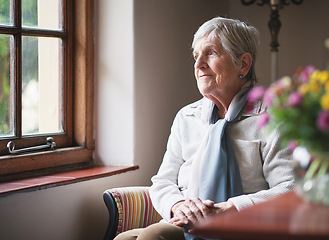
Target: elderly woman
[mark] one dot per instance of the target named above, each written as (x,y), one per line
(217,160)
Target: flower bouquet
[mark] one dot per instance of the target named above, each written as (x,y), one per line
(298,106)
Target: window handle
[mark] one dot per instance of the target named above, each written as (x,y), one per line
(50,145)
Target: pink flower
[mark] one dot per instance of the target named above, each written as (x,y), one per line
(295,99)
(305,73)
(256,93)
(264,118)
(292,145)
(268,97)
(323,121)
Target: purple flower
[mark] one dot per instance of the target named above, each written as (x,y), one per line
(256,93)
(323,121)
(264,118)
(295,99)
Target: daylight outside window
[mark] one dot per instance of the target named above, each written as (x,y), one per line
(31,69)
(46,86)
(6,88)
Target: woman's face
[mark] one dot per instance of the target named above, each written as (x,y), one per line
(216,75)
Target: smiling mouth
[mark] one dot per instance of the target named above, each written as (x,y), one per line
(204,75)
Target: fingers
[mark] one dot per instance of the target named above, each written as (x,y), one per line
(225,207)
(198,208)
(191,210)
(177,221)
(209,203)
(181,215)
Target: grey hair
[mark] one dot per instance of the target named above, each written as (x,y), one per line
(236,37)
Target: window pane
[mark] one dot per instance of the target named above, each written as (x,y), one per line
(6,88)
(42,14)
(5,18)
(42,110)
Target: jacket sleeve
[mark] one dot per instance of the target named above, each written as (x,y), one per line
(164,191)
(277,170)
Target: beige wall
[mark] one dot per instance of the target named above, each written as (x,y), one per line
(301,37)
(144,74)
(164,77)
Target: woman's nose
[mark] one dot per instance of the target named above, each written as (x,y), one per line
(200,63)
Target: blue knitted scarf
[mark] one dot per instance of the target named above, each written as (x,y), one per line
(219,177)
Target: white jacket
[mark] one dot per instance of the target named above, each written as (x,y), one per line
(265,168)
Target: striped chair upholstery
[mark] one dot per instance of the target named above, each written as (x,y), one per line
(129,208)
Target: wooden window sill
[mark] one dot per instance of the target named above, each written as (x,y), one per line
(58,179)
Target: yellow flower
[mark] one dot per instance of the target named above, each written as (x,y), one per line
(319,77)
(314,76)
(325,101)
(314,87)
(323,76)
(303,89)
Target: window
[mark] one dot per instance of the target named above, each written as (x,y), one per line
(46,82)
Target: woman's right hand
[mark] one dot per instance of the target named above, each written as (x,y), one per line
(190,211)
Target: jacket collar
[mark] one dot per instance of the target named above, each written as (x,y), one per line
(200,109)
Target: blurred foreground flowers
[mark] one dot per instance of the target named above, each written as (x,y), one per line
(299,107)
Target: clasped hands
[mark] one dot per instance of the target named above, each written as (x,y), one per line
(193,210)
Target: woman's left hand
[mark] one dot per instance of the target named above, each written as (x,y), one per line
(187,212)
(221,207)
(218,208)
(190,211)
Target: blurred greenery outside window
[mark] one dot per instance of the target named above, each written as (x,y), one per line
(37,68)
(41,76)
(5,85)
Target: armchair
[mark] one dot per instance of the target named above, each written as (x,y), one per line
(129,208)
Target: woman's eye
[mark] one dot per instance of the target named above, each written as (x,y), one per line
(196,57)
(212,53)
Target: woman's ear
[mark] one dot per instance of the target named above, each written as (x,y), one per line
(245,61)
